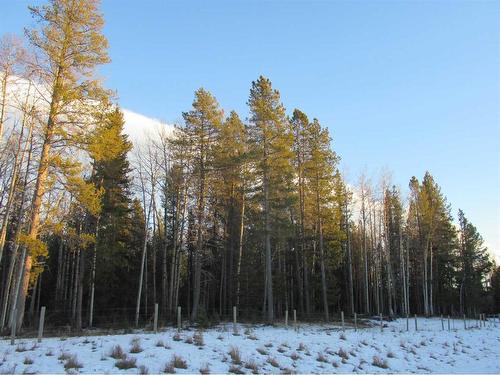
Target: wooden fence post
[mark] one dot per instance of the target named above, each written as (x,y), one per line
(448,322)
(235,329)
(342,317)
(179,322)
(41,323)
(13,328)
(381,324)
(355,322)
(155,321)
(295,320)
(286,319)
(416,325)
(407,322)
(442,323)
(465,325)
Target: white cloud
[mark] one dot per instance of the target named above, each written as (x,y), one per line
(139,127)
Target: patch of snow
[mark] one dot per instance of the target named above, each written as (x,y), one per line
(313,349)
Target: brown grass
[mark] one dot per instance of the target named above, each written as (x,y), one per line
(321,358)
(126,363)
(178,362)
(273,362)
(117,352)
(198,339)
(72,362)
(379,362)
(235,355)
(205,370)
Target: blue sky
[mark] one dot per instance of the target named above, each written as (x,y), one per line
(402,86)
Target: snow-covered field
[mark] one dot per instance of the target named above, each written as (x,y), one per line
(260,349)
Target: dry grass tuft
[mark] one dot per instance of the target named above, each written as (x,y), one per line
(198,338)
(64,356)
(262,351)
(160,344)
(273,362)
(321,358)
(135,346)
(21,348)
(72,362)
(143,370)
(379,362)
(28,361)
(117,352)
(235,355)
(126,363)
(177,337)
(205,370)
(178,362)
(168,368)
(252,365)
(342,353)
(235,370)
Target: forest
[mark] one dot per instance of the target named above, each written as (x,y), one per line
(223,209)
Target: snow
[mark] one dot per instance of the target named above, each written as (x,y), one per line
(313,349)
(137,126)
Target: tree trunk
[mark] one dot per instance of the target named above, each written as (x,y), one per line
(240,250)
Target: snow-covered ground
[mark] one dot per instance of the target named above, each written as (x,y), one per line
(260,349)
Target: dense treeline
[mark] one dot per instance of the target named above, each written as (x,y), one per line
(217,212)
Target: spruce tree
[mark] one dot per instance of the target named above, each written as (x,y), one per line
(475,265)
(114,252)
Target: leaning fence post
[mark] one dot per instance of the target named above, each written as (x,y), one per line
(155,321)
(295,320)
(448,322)
(442,323)
(381,324)
(355,322)
(40,324)
(235,329)
(465,325)
(179,322)
(286,319)
(416,326)
(342,317)
(13,328)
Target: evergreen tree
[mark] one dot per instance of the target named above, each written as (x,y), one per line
(272,141)
(199,137)
(70,45)
(475,265)
(495,288)
(118,223)
(319,173)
